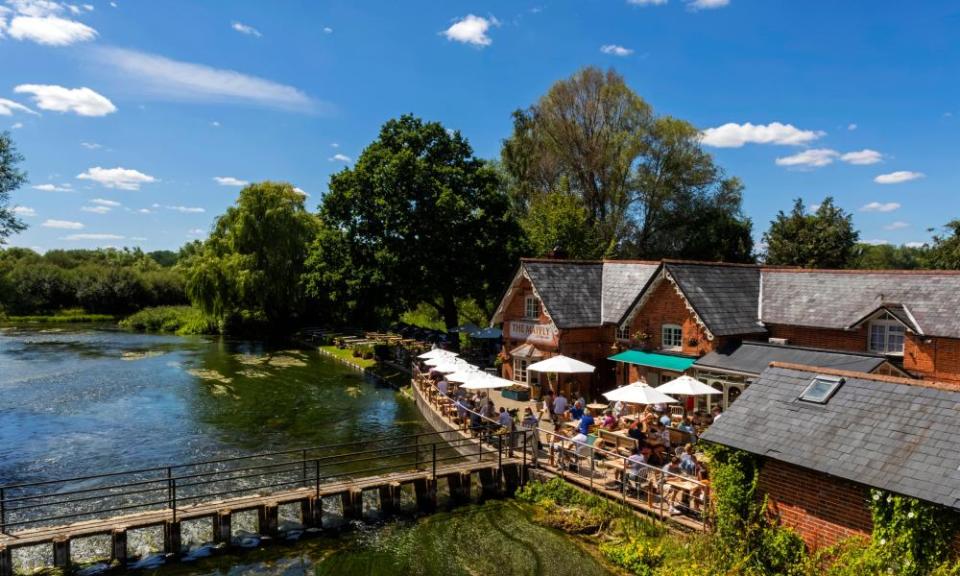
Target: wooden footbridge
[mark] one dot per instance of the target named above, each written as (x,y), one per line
(307,481)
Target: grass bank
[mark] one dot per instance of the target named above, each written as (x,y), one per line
(171,319)
(346,354)
(69,316)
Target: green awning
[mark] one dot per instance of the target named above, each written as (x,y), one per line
(654,360)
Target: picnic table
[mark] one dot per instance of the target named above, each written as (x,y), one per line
(597,406)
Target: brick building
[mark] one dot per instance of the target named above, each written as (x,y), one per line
(826,437)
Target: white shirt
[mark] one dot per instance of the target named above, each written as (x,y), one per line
(559,405)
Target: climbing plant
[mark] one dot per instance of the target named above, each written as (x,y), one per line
(910,536)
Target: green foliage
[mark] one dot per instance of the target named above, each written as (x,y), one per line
(617,180)
(945,251)
(910,537)
(418,219)
(249,269)
(823,239)
(889,257)
(11,178)
(105,281)
(170,319)
(640,557)
(69,316)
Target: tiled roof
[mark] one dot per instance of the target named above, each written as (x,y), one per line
(873,431)
(837,299)
(725,297)
(752,358)
(570,290)
(622,283)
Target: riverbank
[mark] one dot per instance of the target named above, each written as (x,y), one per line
(75,316)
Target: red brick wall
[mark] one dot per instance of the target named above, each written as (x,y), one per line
(937,360)
(852,340)
(822,509)
(665,306)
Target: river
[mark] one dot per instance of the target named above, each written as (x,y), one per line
(79,401)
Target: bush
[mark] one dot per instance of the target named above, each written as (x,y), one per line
(172,319)
(638,556)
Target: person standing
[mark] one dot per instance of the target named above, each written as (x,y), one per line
(559,408)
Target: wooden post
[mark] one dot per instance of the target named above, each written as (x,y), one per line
(268,519)
(511,478)
(61,553)
(488,483)
(222,531)
(390,499)
(118,546)
(171,537)
(459,488)
(308,512)
(6,562)
(352,504)
(426,491)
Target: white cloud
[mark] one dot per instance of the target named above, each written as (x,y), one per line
(707,4)
(616,50)
(186,209)
(915,244)
(301,192)
(812,158)
(862,157)
(96,209)
(246,29)
(732,135)
(880,207)
(54,187)
(229,181)
(16,126)
(39,8)
(24,211)
(88,7)
(145,211)
(82,101)
(113,4)
(102,202)
(851,127)
(876,242)
(898,177)
(340,158)
(91,145)
(898,225)
(62,224)
(120,178)
(196,232)
(76,237)
(8,107)
(327,30)
(50,30)
(215,124)
(160,76)
(471,29)
(647,2)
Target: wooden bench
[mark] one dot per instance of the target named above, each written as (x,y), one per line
(617,442)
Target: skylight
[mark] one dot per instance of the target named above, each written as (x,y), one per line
(821,389)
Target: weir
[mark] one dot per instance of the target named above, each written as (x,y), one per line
(58,512)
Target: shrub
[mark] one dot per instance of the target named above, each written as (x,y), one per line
(638,556)
(173,319)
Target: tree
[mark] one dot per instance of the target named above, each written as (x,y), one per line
(558,222)
(10,180)
(889,257)
(945,251)
(644,181)
(823,239)
(250,268)
(417,219)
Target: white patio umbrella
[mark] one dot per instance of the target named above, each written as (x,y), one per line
(465,374)
(561,365)
(437,353)
(638,393)
(687,386)
(452,365)
(487,382)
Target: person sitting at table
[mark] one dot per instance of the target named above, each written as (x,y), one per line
(505,420)
(586,421)
(609,421)
(581,399)
(688,461)
(635,431)
(619,408)
(577,411)
(664,435)
(688,427)
(665,419)
(671,493)
(443,385)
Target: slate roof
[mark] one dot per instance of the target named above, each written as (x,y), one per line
(837,299)
(622,284)
(570,290)
(752,358)
(725,297)
(894,436)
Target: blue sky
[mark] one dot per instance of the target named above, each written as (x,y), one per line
(140,119)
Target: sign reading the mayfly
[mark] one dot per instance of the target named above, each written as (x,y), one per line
(532,332)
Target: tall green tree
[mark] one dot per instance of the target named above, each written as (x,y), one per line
(644,181)
(890,257)
(11,178)
(824,239)
(945,250)
(250,267)
(418,219)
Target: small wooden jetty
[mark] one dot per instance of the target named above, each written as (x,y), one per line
(56,513)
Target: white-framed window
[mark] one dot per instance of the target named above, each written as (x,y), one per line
(623,331)
(520,373)
(886,335)
(671,337)
(531,308)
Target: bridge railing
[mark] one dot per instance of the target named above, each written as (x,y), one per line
(170,489)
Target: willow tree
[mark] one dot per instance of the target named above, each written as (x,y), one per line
(250,267)
(11,178)
(418,219)
(648,188)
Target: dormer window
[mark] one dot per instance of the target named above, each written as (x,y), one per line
(531,308)
(821,389)
(886,335)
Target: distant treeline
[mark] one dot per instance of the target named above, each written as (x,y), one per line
(104,281)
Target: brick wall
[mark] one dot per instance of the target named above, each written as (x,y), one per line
(665,306)
(849,340)
(938,359)
(822,509)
